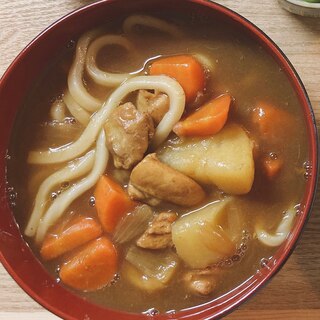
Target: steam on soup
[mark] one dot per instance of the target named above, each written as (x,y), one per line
(167,165)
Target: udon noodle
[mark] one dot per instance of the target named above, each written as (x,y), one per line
(274,240)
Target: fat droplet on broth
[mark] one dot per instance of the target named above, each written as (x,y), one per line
(115,279)
(54,195)
(12,196)
(228,263)
(57,97)
(12,204)
(70,120)
(9,189)
(235,258)
(57,271)
(92,201)
(307,166)
(71,44)
(243,247)
(273,156)
(246,236)
(239,254)
(65,184)
(307,175)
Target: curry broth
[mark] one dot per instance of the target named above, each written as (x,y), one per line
(242,68)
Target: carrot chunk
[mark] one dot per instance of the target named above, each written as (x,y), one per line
(272,123)
(71,235)
(93,267)
(207,120)
(112,203)
(272,167)
(185,69)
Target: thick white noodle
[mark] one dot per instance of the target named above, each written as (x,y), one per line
(61,203)
(152,22)
(58,111)
(80,114)
(73,170)
(274,240)
(75,77)
(162,83)
(104,78)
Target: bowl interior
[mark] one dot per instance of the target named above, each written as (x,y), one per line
(17,257)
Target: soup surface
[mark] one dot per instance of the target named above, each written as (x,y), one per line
(176,213)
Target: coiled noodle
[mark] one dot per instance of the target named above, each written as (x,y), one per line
(162,83)
(70,172)
(274,240)
(102,77)
(61,203)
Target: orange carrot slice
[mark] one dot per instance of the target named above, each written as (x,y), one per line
(207,120)
(185,69)
(112,203)
(93,267)
(74,234)
(272,167)
(272,123)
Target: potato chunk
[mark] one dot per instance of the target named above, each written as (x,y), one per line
(199,237)
(224,160)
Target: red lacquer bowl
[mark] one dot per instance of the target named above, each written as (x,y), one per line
(17,257)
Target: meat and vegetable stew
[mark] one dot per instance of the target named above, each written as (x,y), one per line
(158,164)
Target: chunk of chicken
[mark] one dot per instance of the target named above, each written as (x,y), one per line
(152,180)
(128,133)
(201,281)
(155,104)
(158,234)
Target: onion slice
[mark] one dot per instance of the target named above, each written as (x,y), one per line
(133,224)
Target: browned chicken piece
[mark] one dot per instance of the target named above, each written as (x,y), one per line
(202,282)
(155,104)
(137,194)
(152,180)
(128,133)
(158,234)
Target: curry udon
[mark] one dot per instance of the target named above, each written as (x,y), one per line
(160,160)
